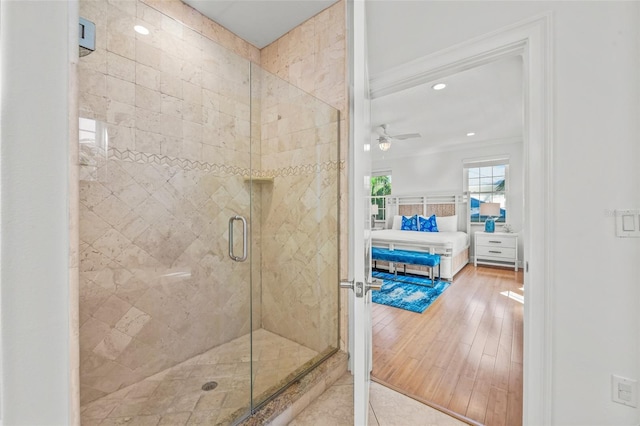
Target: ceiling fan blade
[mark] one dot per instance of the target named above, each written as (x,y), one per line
(407,136)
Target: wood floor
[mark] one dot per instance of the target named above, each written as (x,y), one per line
(464,353)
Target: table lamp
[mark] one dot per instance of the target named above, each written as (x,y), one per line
(374,213)
(490,210)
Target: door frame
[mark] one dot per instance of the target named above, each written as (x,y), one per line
(360,332)
(532,40)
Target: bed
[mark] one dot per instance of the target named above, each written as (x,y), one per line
(451,242)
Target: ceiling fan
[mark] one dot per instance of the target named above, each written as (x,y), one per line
(384,141)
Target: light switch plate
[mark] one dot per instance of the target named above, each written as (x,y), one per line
(624,391)
(628,223)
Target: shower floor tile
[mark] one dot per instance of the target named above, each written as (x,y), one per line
(175,396)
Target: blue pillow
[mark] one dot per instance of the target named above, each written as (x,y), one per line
(428,224)
(409,223)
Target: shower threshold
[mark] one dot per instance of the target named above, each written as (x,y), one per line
(176,397)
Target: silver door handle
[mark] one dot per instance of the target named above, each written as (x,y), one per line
(244,239)
(375,284)
(346,284)
(360,289)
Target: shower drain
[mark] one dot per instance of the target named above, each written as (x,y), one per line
(209,386)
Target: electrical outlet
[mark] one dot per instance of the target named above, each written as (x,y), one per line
(624,391)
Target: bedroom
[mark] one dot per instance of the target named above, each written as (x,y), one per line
(475,121)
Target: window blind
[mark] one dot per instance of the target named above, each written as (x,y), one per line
(486,162)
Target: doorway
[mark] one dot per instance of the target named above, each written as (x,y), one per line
(528,39)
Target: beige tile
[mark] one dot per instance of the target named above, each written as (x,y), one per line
(391,408)
(121,137)
(111,244)
(171,85)
(128,407)
(142,389)
(171,126)
(334,406)
(112,345)
(148,99)
(192,112)
(192,132)
(131,193)
(174,419)
(126,7)
(147,77)
(121,44)
(137,421)
(204,418)
(171,26)
(148,55)
(171,105)
(121,67)
(149,14)
(91,225)
(92,106)
(387,408)
(91,81)
(91,333)
(148,121)
(112,310)
(192,93)
(132,322)
(211,401)
(121,114)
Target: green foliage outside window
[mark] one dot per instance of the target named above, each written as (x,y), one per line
(380,187)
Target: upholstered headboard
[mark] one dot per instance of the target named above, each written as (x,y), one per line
(426,205)
(427,210)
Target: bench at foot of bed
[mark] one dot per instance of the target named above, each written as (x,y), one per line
(407,257)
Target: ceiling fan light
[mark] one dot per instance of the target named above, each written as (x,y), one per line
(384,144)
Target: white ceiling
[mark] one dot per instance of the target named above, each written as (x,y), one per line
(260,22)
(486,100)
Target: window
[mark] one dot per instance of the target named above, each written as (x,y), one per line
(380,189)
(487,182)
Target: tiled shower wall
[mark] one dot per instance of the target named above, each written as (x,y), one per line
(299,215)
(313,57)
(156,286)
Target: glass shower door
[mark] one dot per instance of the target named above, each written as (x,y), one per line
(165,312)
(294,203)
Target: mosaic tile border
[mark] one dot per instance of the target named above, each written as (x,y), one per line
(221,169)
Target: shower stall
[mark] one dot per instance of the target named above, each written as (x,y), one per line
(209,192)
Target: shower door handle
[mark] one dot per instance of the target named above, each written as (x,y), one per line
(244,238)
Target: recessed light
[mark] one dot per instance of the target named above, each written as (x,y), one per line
(438,86)
(471,134)
(141,30)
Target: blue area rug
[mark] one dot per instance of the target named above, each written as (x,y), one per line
(407,292)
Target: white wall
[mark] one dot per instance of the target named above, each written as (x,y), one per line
(594,303)
(34,220)
(442,171)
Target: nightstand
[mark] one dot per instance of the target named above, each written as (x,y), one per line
(496,249)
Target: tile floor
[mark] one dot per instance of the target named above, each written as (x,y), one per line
(387,408)
(174,396)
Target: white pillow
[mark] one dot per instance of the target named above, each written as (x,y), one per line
(447,223)
(397,222)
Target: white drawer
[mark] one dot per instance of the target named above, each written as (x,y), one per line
(498,241)
(493,251)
